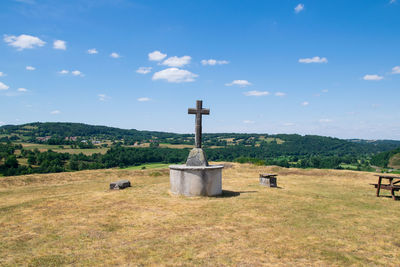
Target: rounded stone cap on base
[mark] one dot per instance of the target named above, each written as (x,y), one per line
(197,168)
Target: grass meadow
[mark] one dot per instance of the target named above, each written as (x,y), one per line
(314,218)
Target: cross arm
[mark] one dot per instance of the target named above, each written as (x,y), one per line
(205,111)
(192,111)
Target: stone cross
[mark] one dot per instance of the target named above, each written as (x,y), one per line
(199,111)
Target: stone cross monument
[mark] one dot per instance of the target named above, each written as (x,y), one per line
(198,111)
(196,177)
(197,157)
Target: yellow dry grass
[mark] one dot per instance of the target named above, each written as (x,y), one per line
(315,218)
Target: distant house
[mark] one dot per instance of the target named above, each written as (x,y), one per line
(43,139)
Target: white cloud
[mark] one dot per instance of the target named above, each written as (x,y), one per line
(241,83)
(177,61)
(3,86)
(325,120)
(396,70)
(325,91)
(372,77)
(256,93)
(313,60)
(30,68)
(55,112)
(213,62)
(280,94)
(248,121)
(299,8)
(2,74)
(143,99)
(103,97)
(23,41)
(156,56)
(22,90)
(144,70)
(305,103)
(175,75)
(63,72)
(392,1)
(60,45)
(77,73)
(115,55)
(92,51)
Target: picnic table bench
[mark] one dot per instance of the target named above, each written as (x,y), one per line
(393,185)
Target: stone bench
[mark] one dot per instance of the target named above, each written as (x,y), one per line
(268,179)
(121,184)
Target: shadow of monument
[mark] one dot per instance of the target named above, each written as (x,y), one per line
(228,193)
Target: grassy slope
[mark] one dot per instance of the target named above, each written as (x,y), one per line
(66,149)
(317,217)
(394,161)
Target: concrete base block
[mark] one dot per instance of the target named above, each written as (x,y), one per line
(196,180)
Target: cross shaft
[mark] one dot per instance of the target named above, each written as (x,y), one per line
(198,111)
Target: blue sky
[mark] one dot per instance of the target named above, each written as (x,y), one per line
(310,67)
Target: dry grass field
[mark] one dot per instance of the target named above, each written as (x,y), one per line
(314,218)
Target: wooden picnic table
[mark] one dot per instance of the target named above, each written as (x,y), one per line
(393,184)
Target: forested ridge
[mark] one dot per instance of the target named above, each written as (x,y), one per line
(287,150)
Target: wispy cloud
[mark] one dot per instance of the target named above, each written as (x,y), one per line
(248,122)
(392,1)
(23,90)
(325,91)
(372,77)
(313,60)
(175,75)
(280,94)
(2,74)
(299,8)
(256,93)
(240,83)
(143,99)
(144,70)
(77,73)
(3,86)
(156,56)
(103,97)
(92,51)
(177,61)
(325,120)
(55,112)
(288,124)
(305,103)
(30,68)
(63,72)
(60,45)
(213,62)
(115,55)
(396,70)
(23,41)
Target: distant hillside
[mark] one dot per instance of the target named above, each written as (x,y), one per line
(251,145)
(386,159)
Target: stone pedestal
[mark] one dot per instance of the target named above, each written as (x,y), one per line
(196,180)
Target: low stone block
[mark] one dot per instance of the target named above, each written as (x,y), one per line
(269,181)
(121,184)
